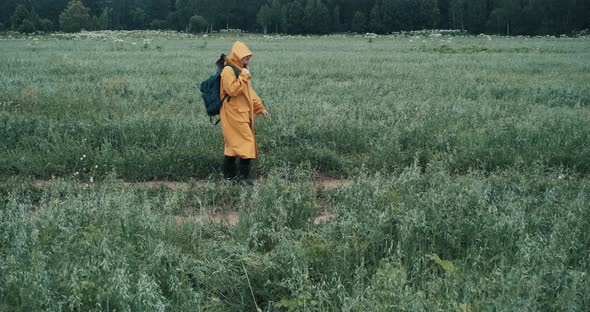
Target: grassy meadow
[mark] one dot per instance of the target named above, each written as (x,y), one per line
(469,162)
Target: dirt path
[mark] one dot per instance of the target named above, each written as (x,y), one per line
(232,217)
(325,213)
(323,182)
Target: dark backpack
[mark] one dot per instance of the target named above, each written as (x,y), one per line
(210,90)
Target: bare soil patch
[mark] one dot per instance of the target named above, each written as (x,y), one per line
(231,217)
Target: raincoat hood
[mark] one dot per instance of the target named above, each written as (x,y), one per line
(238,52)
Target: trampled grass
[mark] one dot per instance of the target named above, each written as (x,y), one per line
(468,156)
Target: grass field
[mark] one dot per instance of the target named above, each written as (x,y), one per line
(468,160)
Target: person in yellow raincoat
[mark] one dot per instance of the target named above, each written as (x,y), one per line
(237,115)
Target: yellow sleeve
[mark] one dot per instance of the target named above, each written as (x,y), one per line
(257,103)
(232,85)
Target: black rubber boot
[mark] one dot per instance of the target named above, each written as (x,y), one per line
(229,168)
(245,178)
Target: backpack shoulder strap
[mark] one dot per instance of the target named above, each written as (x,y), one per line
(236,70)
(237,73)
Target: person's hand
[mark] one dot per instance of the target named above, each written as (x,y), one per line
(265,114)
(245,70)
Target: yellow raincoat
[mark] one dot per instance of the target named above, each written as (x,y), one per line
(237,112)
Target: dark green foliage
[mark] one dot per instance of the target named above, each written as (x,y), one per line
(20,14)
(359,22)
(138,19)
(475,15)
(75,17)
(173,22)
(322,16)
(157,9)
(26,27)
(376,23)
(158,25)
(197,24)
(27,21)
(295,15)
(104,20)
(264,17)
(428,15)
(316,18)
(185,9)
(45,25)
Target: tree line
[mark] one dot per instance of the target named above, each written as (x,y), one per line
(511,17)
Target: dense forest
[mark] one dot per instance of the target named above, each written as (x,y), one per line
(510,17)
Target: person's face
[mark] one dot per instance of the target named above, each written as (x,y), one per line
(246,60)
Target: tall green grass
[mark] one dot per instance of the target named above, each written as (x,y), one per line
(468,158)
(516,242)
(336,103)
